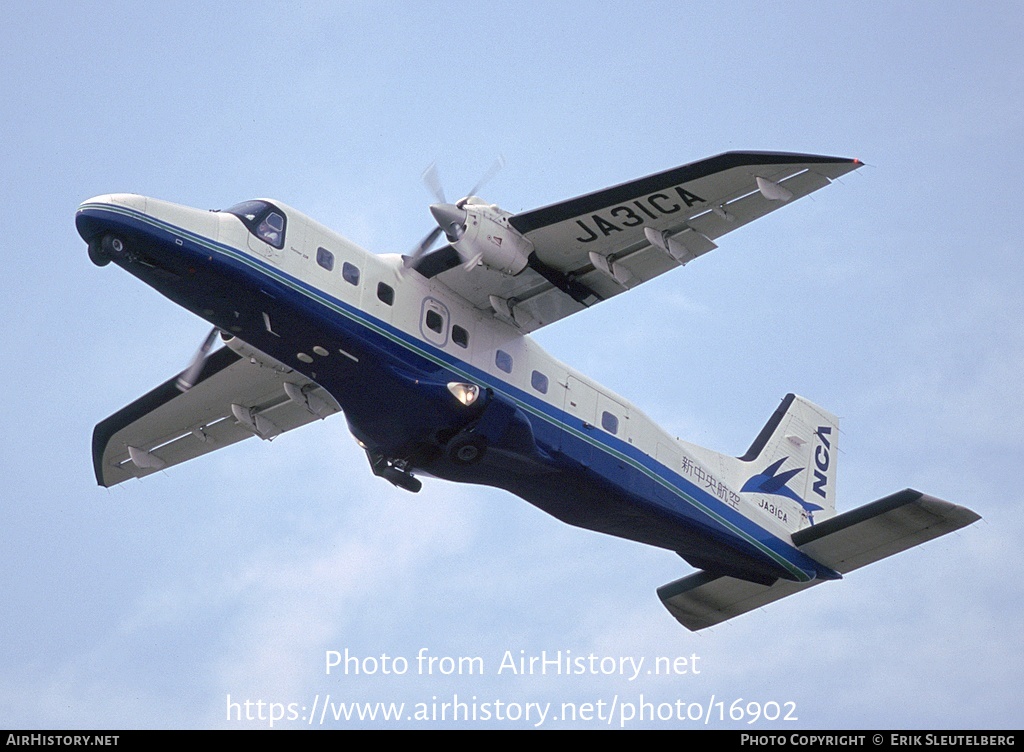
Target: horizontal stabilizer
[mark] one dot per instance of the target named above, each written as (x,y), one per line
(234,398)
(845,543)
(880,529)
(704,599)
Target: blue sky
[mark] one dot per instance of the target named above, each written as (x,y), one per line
(891,298)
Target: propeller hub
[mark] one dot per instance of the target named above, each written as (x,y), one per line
(451,219)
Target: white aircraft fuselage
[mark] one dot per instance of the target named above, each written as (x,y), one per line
(433,385)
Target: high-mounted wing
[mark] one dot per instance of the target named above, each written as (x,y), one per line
(234,398)
(593,247)
(845,542)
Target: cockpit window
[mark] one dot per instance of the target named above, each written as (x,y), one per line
(271,230)
(263,219)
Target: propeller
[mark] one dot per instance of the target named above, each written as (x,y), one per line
(190,375)
(433,183)
(450,218)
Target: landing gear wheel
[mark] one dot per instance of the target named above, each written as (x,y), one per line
(111,246)
(466,449)
(96,254)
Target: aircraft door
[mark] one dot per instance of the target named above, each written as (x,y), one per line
(613,418)
(581,404)
(613,421)
(580,400)
(434,321)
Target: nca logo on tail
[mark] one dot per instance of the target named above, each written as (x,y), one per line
(821,460)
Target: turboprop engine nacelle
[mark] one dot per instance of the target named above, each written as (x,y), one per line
(480,233)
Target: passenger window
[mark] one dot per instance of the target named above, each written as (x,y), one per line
(350,273)
(434,321)
(325,258)
(271,230)
(609,422)
(385,294)
(503,361)
(460,336)
(539,382)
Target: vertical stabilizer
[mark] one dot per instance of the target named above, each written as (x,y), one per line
(793,461)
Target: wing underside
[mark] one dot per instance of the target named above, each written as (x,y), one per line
(599,245)
(234,398)
(846,542)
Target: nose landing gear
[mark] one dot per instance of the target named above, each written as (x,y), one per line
(103,250)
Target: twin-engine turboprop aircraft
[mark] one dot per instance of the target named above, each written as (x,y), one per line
(429,358)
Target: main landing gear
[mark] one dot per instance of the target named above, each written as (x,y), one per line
(395,472)
(466,448)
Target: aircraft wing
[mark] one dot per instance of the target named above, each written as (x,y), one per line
(845,542)
(596,246)
(234,398)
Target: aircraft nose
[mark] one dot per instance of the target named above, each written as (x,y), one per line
(131,200)
(108,206)
(98,220)
(114,200)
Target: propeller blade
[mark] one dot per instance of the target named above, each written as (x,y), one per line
(494,170)
(420,251)
(433,183)
(190,375)
(470,263)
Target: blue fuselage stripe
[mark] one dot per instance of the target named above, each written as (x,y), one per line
(697,502)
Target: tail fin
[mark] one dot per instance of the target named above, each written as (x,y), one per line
(795,457)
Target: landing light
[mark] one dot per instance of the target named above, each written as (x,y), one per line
(464,393)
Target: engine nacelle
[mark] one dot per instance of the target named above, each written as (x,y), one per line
(489,240)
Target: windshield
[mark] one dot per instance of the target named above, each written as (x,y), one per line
(263,219)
